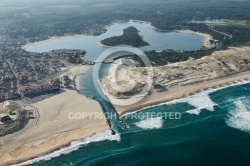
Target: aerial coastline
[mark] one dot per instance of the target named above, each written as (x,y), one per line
(112,82)
(62,130)
(77,71)
(197,77)
(189,91)
(74,134)
(62,137)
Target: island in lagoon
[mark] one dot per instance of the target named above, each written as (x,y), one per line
(130,37)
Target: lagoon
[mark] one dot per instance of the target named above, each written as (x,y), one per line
(158,40)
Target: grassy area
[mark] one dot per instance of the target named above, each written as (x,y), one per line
(244,23)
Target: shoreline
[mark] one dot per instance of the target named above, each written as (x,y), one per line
(35,140)
(196,80)
(75,132)
(119,46)
(56,148)
(205,43)
(206,37)
(212,85)
(49,39)
(66,36)
(208,91)
(132,110)
(70,147)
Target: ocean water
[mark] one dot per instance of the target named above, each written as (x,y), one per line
(214,129)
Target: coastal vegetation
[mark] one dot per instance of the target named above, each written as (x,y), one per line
(240,35)
(169,56)
(15,117)
(129,37)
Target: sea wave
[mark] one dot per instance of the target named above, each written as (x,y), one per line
(204,94)
(175,101)
(194,111)
(75,145)
(201,101)
(151,123)
(239,117)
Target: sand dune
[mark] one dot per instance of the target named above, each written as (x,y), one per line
(182,79)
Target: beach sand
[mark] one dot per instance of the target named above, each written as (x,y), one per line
(178,92)
(206,38)
(220,69)
(75,73)
(54,128)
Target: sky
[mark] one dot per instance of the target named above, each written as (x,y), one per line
(22,3)
(41,2)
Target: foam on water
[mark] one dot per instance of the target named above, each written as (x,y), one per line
(195,98)
(194,111)
(239,117)
(175,101)
(151,123)
(201,101)
(75,145)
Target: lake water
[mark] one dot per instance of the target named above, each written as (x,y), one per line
(158,40)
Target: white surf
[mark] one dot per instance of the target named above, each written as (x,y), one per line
(239,117)
(151,123)
(75,145)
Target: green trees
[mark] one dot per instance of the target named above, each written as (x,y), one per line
(130,37)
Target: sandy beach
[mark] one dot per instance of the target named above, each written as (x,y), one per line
(55,127)
(183,91)
(206,38)
(220,69)
(75,73)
